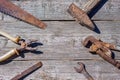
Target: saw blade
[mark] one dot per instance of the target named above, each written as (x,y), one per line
(11,9)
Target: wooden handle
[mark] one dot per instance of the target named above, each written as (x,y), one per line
(90,5)
(9,55)
(16,40)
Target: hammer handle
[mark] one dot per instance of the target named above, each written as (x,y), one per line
(90,5)
(28,71)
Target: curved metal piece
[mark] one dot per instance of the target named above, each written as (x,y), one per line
(9,55)
(16,40)
(82,69)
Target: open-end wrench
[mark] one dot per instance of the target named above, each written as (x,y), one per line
(83,70)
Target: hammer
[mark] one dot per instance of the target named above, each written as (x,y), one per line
(81,16)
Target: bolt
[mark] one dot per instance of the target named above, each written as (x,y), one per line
(83,70)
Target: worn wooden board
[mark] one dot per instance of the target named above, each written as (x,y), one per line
(57,9)
(61,39)
(62,48)
(60,70)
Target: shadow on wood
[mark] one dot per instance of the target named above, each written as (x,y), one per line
(96,29)
(97,8)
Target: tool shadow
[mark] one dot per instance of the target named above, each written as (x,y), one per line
(22,54)
(94,11)
(33,45)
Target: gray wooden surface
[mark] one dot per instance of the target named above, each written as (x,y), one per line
(62,48)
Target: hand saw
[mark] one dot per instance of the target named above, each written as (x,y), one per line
(11,9)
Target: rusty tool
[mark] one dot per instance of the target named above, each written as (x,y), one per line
(11,9)
(83,70)
(24,46)
(101,48)
(81,16)
(28,71)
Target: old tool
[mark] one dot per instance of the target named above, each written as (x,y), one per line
(81,15)
(83,70)
(28,71)
(24,46)
(11,9)
(101,48)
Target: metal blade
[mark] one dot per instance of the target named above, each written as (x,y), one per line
(11,9)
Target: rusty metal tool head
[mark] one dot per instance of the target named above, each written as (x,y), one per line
(83,70)
(11,9)
(28,71)
(103,49)
(81,16)
(24,46)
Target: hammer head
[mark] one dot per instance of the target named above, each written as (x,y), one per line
(80,16)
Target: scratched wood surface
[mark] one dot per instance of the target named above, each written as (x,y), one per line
(59,45)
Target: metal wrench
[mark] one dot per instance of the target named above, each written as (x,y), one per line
(83,70)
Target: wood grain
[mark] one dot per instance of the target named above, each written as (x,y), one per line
(57,9)
(60,70)
(62,48)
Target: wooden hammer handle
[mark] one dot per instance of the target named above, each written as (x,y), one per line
(90,5)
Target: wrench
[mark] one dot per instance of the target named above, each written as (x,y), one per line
(83,70)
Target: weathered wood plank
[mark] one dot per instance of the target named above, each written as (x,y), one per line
(61,39)
(60,70)
(57,9)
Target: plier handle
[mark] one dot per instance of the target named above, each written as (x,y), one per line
(18,40)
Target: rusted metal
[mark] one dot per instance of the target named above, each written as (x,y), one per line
(11,9)
(24,45)
(103,49)
(81,15)
(83,70)
(28,71)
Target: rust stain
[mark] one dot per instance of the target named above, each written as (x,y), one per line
(11,9)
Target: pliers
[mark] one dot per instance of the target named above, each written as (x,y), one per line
(24,45)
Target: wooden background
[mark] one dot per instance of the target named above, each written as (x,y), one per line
(62,48)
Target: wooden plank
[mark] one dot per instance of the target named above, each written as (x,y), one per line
(61,39)
(57,9)
(60,70)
